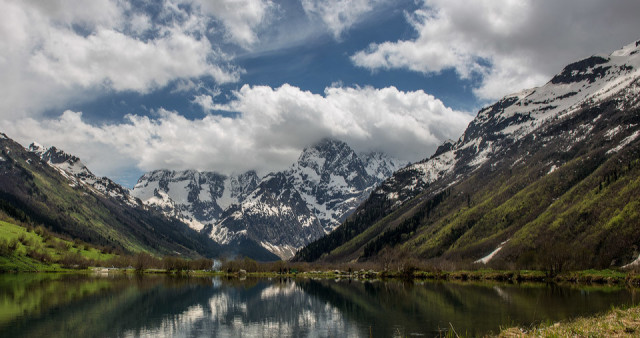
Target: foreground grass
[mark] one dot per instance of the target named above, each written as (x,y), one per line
(615,323)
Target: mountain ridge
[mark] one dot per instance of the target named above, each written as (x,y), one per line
(303,202)
(459,205)
(36,191)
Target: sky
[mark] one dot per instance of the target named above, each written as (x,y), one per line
(237,85)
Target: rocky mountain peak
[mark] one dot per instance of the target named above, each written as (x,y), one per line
(77,173)
(64,161)
(326,155)
(589,69)
(380,165)
(56,156)
(281,211)
(36,148)
(444,147)
(516,117)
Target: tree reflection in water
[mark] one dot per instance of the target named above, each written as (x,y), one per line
(132,306)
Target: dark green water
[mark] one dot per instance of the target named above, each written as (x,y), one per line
(49,305)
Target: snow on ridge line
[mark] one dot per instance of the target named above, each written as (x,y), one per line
(559,99)
(624,142)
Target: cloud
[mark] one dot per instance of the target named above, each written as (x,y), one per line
(114,60)
(270,130)
(240,18)
(509,44)
(338,15)
(205,101)
(92,144)
(55,52)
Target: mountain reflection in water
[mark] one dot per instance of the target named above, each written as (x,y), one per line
(163,306)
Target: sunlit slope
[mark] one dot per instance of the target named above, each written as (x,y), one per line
(546,178)
(31,191)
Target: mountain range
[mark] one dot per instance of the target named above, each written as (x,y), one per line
(545,178)
(282,211)
(54,189)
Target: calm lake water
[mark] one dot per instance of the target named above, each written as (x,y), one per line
(50,305)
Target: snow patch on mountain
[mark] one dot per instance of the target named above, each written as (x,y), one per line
(624,142)
(196,198)
(497,128)
(489,257)
(283,211)
(72,168)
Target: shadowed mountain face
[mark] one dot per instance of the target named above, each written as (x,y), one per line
(280,212)
(56,190)
(545,178)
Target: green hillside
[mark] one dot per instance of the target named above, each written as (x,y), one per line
(33,192)
(564,196)
(36,249)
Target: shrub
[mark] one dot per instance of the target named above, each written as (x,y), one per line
(143,260)
(74,261)
(39,255)
(201,264)
(5,249)
(175,263)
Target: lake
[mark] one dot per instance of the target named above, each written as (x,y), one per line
(72,305)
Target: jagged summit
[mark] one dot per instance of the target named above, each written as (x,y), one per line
(443,148)
(497,127)
(198,198)
(281,211)
(37,148)
(331,157)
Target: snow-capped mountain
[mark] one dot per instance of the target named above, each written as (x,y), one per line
(77,173)
(333,180)
(499,127)
(283,211)
(543,176)
(196,198)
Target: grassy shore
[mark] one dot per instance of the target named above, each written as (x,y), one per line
(618,322)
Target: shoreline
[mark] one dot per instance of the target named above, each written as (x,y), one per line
(587,277)
(619,321)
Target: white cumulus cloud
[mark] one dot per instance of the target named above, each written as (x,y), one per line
(60,51)
(510,44)
(241,18)
(269,130)
(338,15)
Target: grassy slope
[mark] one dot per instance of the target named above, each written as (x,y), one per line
(33,192)
(27,242)
(55,198)
(585,212)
